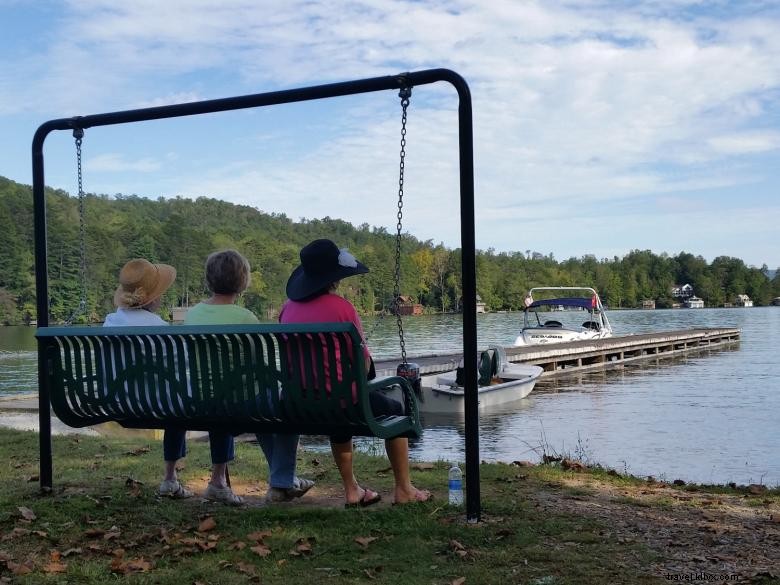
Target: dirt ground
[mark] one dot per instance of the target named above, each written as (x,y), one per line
(690,531)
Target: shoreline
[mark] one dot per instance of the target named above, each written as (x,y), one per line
(21,413)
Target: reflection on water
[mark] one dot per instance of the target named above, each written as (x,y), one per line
(708,416)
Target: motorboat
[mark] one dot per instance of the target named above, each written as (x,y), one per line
(499,382)
(568,303)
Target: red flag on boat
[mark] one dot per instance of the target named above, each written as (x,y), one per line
(593,302)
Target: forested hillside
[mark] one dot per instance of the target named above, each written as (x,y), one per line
(182,232)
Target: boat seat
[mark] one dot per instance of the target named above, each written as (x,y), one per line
(552,323)
(488,366)
(594,325)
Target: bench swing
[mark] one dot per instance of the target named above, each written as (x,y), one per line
(236,378)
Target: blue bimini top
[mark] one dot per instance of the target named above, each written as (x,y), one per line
(580,302)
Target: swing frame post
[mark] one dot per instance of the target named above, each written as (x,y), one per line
(368,85)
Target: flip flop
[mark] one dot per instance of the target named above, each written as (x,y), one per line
(368,498)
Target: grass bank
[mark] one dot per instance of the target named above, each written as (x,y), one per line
(542,525)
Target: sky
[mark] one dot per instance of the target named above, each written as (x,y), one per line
(600,126)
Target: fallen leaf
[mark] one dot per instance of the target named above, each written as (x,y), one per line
(459,581)
(208,523)
(40,533)
(303,546)
(458,549)
(33,478)
(19,568)
(55,564)
(26,513)
(139,451)
(364,541)
(248,570)
(237,546)
(139,565)
(258,536)
(261,550)
(94,532)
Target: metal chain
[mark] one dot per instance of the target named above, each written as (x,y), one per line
(404,94)
(78,134)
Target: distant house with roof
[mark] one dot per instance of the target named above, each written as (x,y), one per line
(684,291)
(407,306)
(648,304)
(481,307)
(743,301)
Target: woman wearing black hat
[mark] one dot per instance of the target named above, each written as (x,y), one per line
(312,299)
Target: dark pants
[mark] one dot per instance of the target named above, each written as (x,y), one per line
(175,446)
(381,405)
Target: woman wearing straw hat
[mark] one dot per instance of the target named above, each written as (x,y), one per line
(138,298)
(311,292)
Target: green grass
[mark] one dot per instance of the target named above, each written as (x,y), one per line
(96,488)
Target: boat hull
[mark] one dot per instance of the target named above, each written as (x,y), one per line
(440,394)
(542,335)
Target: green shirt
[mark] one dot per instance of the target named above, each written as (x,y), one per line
(205,314)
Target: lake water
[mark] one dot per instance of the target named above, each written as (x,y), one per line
(708,417)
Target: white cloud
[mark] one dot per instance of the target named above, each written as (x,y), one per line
(592,102)
(746,143)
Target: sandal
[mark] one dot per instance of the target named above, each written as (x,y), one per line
(368,498)
(299,488)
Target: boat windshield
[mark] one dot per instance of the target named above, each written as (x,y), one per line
(567,302)
(568,313)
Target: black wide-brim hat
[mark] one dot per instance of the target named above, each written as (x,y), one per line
(321,264)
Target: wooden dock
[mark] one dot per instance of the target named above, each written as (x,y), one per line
(558,359)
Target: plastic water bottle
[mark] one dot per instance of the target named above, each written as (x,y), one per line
(456,486)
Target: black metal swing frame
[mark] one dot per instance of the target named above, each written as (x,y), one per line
(393,82)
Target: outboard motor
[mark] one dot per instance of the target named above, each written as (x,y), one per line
(411,372)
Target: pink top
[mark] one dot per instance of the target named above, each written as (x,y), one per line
(327,308)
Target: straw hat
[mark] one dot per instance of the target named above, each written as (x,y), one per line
(321,263)
(141,282)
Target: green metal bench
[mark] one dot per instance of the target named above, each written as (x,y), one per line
(306,378)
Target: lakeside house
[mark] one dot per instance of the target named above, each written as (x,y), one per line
(648,304)
(694,302)
(682,292)
(407,306)
(743,301)
(480,305)
(776,301)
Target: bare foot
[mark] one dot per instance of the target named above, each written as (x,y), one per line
(410,496)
